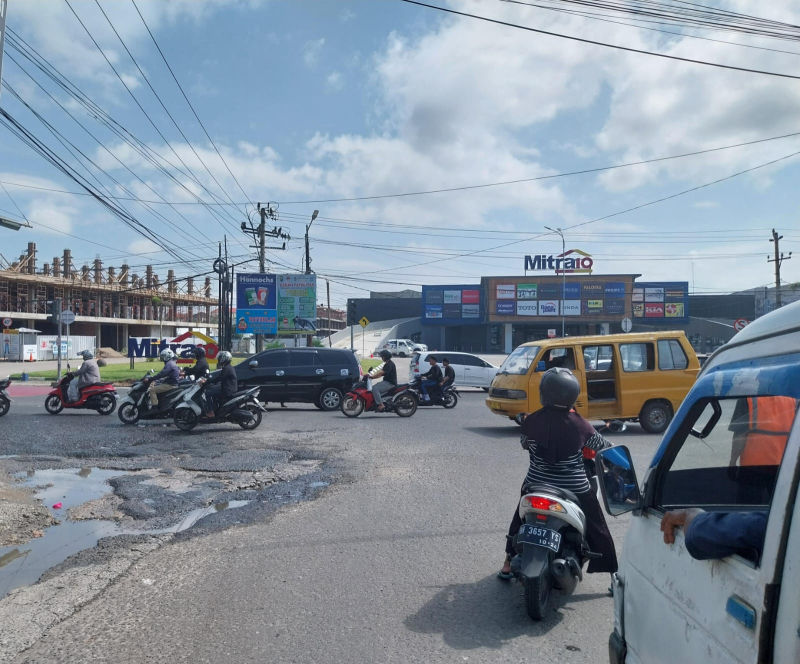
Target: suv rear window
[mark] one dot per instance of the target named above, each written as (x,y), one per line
(335,358)
(302,358)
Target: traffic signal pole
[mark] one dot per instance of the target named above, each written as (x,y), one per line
(57,312)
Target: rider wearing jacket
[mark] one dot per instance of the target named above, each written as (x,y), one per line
(555,437)
(168,376)
(200,369)
(449,374)
(430,378)
(224,384)
(88,374)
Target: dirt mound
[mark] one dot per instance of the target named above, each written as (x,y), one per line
(108,352)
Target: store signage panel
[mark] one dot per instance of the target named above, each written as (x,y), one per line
(505,308)
(614,289)
(550,291)
(548,307)
(470,297)
(527,308)
(592,290)
(615,307)
(471,311)
(661,302)
(638,309)
(506,291)
(653,294)
(592,307)
(571,307)
(572,291)
(452,310)
(452,305)
(674,310)
(434,296)
(433,311)
(653,310)
(452,297)
(527,292)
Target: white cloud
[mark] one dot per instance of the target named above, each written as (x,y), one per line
(334,81)
(705,204)
(312,51)
(346,16)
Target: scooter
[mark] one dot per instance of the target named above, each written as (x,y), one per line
(550,546)
(242,409)
(101,397)
(136,406)
(400,399)
(448,398)
(5,400)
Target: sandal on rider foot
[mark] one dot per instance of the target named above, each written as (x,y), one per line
(505,576)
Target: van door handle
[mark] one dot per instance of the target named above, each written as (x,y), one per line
(279,373)
(741,611)
(320,372)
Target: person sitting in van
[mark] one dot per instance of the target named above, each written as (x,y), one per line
(715,535)
(430,378)
(449,374)
(555,437)
(761,427)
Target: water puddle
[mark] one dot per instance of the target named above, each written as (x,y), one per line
(318,485)
(22,565)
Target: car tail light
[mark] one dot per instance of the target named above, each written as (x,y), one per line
(589,453)
(542,503)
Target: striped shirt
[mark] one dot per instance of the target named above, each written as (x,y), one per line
(566,474)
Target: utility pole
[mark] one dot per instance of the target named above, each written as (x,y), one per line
(310,337)
(3,12)
(779,258)
(558,231)
(57,311)
(328,289)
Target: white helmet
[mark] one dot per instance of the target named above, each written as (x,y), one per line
(224,358)
(86,355)
(166,355)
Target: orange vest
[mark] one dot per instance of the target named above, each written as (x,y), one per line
(770,423)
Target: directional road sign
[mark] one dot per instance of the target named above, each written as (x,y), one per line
(364,321)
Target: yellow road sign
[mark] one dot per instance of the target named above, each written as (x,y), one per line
(364,322)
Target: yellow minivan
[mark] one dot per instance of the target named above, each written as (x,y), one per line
(642,376)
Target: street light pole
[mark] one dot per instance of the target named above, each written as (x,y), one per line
(309,337)
(558,231)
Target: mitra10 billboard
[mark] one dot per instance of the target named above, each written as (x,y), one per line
(274,304)
(452,305)
(660,303)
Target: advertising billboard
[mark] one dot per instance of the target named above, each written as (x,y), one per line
(527,292)
(276,303)
(571,307)
(506,291)
(548,308)
(527,308)
(454,305)
(661,303)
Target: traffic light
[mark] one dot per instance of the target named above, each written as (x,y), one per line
(352,316)
(54,307)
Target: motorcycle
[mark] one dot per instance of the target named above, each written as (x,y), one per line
(5,400)
(400,399)
(243,409)
(101,397)
(447,398)
(136,406)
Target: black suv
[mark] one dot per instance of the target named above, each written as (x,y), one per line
(307,375)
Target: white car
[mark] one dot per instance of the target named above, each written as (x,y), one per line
(470,370)
(403,347)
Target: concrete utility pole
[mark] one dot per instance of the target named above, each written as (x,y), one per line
(3,12)
(262,228)
(779,258)
(310,337)
(328,288)
(558,231)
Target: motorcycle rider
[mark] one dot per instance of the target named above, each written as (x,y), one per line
(430,378)
(168,376)
(224,384)
(88,374)
(555,437)
(389,373)
(449,375)
(200,369)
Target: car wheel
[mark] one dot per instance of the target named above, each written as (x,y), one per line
(655,417)
(330,399)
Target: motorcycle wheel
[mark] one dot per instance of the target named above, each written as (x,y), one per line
(405,405)
(450,400)
(107,405)
(185,419)
(128,414)
(249,426)
(5,404)
(53,405)
(537,594)
(352,406)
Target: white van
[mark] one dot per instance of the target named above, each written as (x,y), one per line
(470,370)
(721,453)
(403,347)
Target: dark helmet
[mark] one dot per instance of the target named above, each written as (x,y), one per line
(224,358)
(199,352)
(559,388)
(386,355)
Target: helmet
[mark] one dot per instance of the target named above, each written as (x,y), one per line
(166,355)
(386,355)
(86,355)
(199,352)
(559,388)
(224,358)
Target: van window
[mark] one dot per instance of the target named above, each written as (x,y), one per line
(560,357)
(302,359)
(275,358)
(731,457)
(519,361)
(598,358)
(671,355)
(637,357)
(332,358)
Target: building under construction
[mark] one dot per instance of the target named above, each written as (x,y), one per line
(110,303)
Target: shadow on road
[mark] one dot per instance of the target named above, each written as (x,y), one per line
(485,614)
(496,432)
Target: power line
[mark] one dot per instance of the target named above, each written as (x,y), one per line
(597,43)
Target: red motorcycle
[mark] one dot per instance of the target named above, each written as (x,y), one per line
(398,400)
(101,397)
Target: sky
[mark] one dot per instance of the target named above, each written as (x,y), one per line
(312,100)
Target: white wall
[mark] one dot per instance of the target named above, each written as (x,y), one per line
(76,345)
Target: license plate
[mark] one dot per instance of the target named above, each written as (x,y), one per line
(546,537)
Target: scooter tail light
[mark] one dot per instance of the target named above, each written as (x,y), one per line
(542,503)
(589,453)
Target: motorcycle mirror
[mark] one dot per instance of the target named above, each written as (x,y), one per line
(520,418)
(617,426)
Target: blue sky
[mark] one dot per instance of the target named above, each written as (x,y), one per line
(315,100)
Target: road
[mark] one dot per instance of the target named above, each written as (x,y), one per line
(394,562)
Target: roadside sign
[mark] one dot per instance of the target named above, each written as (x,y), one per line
(7,322)
(627,325)
(67,317)
(364,322)
(740,323)
(551,334)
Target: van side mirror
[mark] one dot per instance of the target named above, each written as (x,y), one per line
(617,480)
(541,365)
(253,365)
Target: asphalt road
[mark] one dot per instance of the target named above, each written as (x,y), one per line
(394,562)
